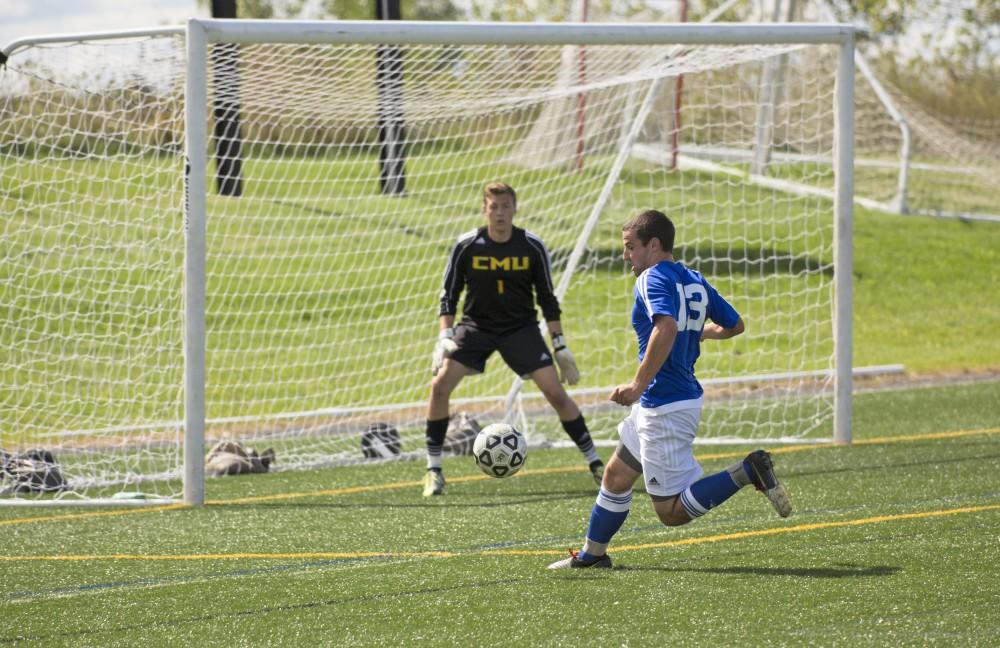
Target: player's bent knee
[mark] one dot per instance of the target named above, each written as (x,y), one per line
(616,481)
(553,392)
(440,388)
(671,512)
(671,520)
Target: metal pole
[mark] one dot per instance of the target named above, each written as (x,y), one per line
(195,136)
(581,97)
(675,135)
(899,202)
(378,32)
(843,241)
(391,127)
(226,109)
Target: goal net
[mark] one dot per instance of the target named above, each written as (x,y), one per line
(352,169)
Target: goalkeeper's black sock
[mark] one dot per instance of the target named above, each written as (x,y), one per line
(436,431)
(577,430)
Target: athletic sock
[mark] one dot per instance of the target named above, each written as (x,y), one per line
(606,518)
(577,430)
(708,492)
(436,431)
(740,474)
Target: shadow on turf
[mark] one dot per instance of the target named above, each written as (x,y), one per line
(835,571)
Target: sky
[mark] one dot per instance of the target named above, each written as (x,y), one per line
(20,18)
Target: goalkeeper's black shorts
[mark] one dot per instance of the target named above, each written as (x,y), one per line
(523,349)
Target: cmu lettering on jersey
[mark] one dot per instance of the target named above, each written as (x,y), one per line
(503,281)
(507,264)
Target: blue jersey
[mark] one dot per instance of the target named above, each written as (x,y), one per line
(669,288)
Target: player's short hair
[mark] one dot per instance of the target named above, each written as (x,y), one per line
(652,224)
(499,189)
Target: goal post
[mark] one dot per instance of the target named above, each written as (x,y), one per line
(843,204)
(195,218)
(152,318)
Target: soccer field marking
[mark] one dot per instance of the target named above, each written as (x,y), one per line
(93,514)
(347,555)
(798,528)
(328,555)
(350,490)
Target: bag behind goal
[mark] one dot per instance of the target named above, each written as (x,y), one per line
(331,178)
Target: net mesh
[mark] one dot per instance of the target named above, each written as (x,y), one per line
(322,280)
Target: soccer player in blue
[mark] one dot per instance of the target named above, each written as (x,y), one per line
(675,309)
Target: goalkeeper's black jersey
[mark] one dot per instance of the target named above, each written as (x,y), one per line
(503,281)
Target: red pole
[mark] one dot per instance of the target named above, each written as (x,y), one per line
(678,95)
(581,97)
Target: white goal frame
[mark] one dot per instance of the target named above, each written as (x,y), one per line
(201,34)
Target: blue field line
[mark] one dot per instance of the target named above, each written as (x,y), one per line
(169,580)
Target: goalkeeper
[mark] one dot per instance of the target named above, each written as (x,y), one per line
(506,270)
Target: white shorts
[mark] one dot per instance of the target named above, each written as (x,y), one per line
(661,439)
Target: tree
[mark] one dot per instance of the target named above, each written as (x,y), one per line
(962,35)
(944,55)
(343,9)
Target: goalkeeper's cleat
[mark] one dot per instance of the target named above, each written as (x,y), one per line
(433,483)
(574,562)
(758,464)
(597,471)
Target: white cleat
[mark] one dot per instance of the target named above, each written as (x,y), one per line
(433,483)
(604,562)
(763,478)
(779,499)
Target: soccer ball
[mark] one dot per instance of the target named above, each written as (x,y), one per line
(500,450)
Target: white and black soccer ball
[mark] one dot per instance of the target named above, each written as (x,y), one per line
(380,441)
(500,450)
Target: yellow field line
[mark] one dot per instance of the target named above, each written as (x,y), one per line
(349,490)
(799,528)
(317,555)
(567,469)
(92,514)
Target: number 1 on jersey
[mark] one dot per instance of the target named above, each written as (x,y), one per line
(499,286)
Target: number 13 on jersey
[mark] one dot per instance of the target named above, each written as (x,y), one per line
(693,299)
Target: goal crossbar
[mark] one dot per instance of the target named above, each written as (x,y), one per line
(483,33)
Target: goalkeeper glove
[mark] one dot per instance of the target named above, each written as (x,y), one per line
(444,347)
(567,364)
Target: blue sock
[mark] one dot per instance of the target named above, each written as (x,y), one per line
(607,516)
(707,493)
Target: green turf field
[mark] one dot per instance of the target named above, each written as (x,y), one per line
(894,541)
